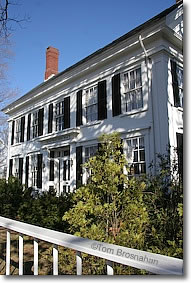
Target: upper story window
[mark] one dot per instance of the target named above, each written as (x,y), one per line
(136,155)
(133,95)
(62,114)
(37,123)
(59,116)
(177,84)
(91,104)
(18,131)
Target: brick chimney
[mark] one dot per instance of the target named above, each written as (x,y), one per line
(51,62)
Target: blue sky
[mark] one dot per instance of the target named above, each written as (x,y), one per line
(76,27)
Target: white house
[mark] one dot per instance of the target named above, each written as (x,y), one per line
(134,86)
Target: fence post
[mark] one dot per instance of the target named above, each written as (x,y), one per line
(109,267)
(8,253)
(20,254)
(79,263)
(35,256)
(55,260)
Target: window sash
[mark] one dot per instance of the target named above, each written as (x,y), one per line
(35,125)
(91,104)
(133,95)
(136,156)
(18,131)
(59,116)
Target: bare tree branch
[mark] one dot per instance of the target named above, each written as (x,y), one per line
(6,18)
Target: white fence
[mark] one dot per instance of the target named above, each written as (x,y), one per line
(155,263)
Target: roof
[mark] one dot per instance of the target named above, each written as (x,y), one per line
(99,51)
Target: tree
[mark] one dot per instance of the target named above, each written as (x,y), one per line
(110,206)
(7,95)
(6,18)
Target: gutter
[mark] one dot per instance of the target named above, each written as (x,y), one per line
(148,63)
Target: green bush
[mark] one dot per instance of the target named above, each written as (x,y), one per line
(11,197)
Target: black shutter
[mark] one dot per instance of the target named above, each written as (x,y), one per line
(78,166)
(22,129)
(179,138)
(10,167)
(29,127)
(51,169)
(175,84)
(40,121)
(39,171)
(21,169)
(102,100)
(50,117)
(27,171)
(13,132)
(79,108)
(67,112)
(116,95)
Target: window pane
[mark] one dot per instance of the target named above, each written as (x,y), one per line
(138,77)
(135,156)
(132,80)
(135,143)
(143,168)
(141,142)
(136,168)
(142,155)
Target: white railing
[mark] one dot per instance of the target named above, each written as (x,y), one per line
(155,263)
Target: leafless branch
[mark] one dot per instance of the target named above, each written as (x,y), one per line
(6,19)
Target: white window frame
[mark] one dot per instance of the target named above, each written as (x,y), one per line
(86,158)
(136,159)
(34,170)
(131,91)
(59,116)
(35,124)
(91,102)
(16,167)
(18,131)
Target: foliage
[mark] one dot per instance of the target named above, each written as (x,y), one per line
(164,202)
(45,209)
(143,212)
(11,197)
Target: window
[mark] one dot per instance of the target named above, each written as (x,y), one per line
(133,96)
(34,170)
(180,84)
(18,131)
(136,155)
(90,151)
(59,116)
(16,168)
(177,84)
(91,104)
(62,114)
(35,125)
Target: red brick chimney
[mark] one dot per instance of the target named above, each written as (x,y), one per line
(51,62)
